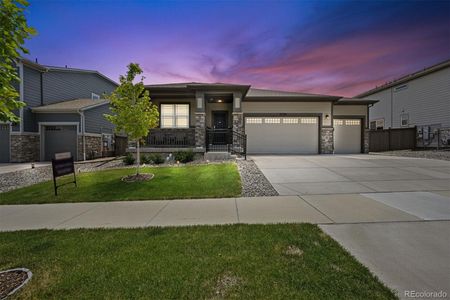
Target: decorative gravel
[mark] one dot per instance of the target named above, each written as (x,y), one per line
(254,183)
(22,178)
(12,280)
(432,154)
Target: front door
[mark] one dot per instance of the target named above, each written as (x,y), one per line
(220,120)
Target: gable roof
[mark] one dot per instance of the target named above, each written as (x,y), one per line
(71,106)
(45,68)
(406,78)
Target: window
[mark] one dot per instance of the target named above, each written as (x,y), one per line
(338,122)
(290,120)
(404,120)
(373,125)
(353,122)
(174,115)
(95,96)
(253,120)
(308,120)
(272,120)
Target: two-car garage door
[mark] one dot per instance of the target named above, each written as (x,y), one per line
(282,135)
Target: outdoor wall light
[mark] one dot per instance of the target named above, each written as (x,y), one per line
(220,100)
(327,117)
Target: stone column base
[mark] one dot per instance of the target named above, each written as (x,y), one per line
(25,147)
(200,129)
(327,140)
(93,147)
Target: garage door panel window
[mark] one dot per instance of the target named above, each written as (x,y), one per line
(272,120)
(308,120)
(174,115)
(290,120)
(253,120)
(338,122)
(353,122)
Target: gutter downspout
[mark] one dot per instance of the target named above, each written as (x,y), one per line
(82,119)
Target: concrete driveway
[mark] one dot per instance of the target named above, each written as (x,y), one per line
(344,174)
(378,198)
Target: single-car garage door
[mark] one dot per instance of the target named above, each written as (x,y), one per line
(4,143)
(347,136)
(278,135)
(59,139)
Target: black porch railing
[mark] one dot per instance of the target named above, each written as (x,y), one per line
(226,140)
(166,138)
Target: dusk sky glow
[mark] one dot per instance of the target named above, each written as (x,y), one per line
(330,47)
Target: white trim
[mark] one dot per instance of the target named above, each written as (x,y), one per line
(21,94)
(42,135)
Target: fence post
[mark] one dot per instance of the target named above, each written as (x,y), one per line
(439,137)
(389,139)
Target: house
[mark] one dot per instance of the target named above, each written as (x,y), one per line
(420,99)
(63,112)
(208,117)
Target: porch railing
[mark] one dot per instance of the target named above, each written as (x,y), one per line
(171,137)
(226,140)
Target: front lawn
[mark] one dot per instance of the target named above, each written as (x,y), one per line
(198,181)
(204,262)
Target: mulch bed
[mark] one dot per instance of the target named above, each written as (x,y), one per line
(11,280)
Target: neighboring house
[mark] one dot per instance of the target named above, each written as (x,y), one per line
(63,112)
(420,99)
(230,117)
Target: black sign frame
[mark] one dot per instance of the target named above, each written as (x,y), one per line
(62,167)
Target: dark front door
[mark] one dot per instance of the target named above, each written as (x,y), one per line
(220,120)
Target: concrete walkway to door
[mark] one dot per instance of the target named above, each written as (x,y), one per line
(359,173)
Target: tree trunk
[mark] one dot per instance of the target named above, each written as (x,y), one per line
(138,158)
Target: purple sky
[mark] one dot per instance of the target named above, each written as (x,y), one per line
(330,47)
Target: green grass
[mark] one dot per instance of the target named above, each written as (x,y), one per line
(200,181)
(188,263)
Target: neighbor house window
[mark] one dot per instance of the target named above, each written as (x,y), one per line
(95,96)
(174,115)
(404,120)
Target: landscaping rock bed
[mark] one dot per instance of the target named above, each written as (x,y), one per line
(12,280)
(254,183)
(431,154)
(22,178)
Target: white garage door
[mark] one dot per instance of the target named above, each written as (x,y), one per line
(288,135)
(347,136)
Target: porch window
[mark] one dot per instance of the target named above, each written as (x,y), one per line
(174,115)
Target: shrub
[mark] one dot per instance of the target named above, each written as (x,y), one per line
(145,159)
(156,158)
(184,156)
(129,159)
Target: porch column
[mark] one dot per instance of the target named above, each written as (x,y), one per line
(200,120)
(238,119)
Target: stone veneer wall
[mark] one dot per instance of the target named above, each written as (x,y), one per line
(25,147)
(366,141)
(93,147)
(200,129)
(238,126)
(327,140)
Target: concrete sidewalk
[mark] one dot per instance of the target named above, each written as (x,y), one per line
(316,209)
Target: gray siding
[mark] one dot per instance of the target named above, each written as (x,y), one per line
(31,96)
(58,117)
(61,85)
(425,99)
(95,122)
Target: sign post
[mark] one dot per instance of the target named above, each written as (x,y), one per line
(62,165)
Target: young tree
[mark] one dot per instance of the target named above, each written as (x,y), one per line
(132,111)
(13,32)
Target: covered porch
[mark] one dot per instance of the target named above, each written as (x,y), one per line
(198,117)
